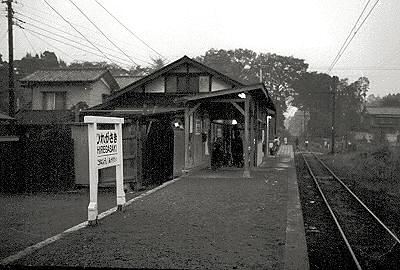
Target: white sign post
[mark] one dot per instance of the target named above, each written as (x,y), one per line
(105,150)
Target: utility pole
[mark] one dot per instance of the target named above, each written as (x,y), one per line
(11,87)
(335,81)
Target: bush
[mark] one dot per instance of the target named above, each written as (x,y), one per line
(378,164)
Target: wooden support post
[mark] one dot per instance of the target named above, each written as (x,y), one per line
(187,129)
(252,137)
(119,172)
(93,176)
(246,172)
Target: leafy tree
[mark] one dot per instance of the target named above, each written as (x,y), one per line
(373,100)
(29,64)
(278,72)
(350,100)
(391,100)
(113,68)
(313,95)
(143,71)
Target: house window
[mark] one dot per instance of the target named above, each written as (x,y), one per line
(54,100)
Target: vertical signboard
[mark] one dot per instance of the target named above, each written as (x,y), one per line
(105,150)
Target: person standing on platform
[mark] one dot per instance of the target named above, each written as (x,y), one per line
(237,149)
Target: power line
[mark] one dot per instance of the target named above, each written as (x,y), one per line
(348,36)
(136,36)
(354,34)
(79,32)
(115,45)
(361,68)
(54,47)
(72,35)
(71,45)
(74,41)
(29,41)
(87,28)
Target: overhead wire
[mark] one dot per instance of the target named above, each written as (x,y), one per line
(84,27)
(69,39)
(348,36)
(135,35)
(27,39)
(354,34)
(71,45)
(52,46)
(97,48)
(72,35)
(98,28)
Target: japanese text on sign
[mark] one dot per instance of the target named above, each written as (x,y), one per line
(106,148)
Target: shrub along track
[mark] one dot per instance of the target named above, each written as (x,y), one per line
(373,247)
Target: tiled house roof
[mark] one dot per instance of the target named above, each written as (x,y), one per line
(65,75)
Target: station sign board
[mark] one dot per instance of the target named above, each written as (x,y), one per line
(106,148)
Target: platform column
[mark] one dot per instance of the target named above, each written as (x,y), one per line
(187,137)
(246,172)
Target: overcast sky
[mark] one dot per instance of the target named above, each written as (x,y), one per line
(313,30)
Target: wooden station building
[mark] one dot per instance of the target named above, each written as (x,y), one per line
(176,114)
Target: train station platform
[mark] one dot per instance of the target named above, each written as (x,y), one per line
(206,220)
(296,256)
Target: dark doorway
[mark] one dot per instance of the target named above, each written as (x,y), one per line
(227,145)
(158,154)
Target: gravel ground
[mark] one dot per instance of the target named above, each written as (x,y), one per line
(195,223)
(30,218)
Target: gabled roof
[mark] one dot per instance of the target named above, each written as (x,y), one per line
(70,75)
(384,111)
(169,67)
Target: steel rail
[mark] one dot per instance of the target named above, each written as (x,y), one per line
(358,199)
(332,214)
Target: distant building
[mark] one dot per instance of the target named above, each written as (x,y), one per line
(56,93)
(383,121)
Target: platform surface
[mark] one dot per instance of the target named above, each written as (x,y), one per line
(206,220)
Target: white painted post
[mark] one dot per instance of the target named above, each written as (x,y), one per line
(119,171)
(93,175)
(104,152)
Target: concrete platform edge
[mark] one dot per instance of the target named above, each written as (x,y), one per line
(296,256)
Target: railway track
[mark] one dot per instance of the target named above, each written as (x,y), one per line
(369,241)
